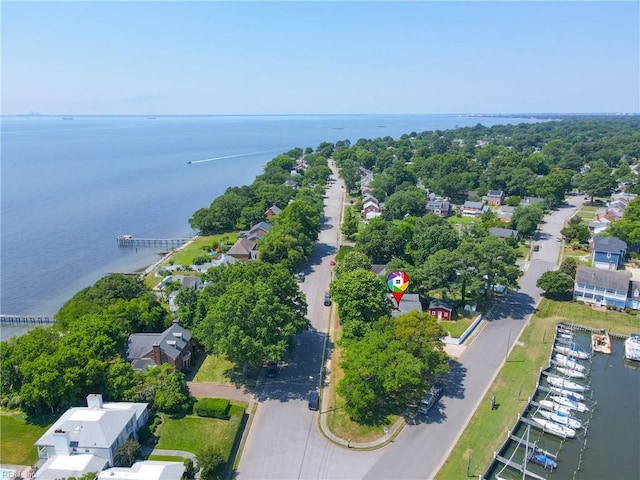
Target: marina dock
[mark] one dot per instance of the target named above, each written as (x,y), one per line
(131,241)
(27,319)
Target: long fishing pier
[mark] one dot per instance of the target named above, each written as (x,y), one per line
(131,241)
(27,319)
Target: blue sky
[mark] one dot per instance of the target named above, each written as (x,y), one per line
(320,57)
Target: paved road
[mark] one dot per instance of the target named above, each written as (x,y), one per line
(284,441)
(421,448)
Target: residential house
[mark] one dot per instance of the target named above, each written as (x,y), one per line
(98,429)
(608,252)
(257,231)
(495,197)
(598,226)
(601,287)
(271,211)
(62,465)
(473,209)
(503,233)
(441,310)
(371,209)
(506,213)
(174,346)
(186,281)
(408,303)
(244,250)
(442,208)
(291,183)
(145,470)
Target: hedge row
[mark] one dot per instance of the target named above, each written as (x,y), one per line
(213,408)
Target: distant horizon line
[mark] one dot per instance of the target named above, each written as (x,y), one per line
(152,115)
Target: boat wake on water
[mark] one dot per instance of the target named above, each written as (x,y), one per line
(191,162)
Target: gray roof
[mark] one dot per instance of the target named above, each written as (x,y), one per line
(172,341)
(242,246)
(275,209)
(602,278)
(438,205)
(440,304)
(507,209)
(495,193)
(502,232)
(408,303)
(531,200)
(474,205)
(608,244)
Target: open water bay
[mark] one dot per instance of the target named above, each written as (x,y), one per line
(71,185)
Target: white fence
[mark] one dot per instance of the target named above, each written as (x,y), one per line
(457,341)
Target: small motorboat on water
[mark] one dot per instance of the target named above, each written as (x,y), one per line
(562,418)
(632,347)
(566,393)
(601,342)
(566,384)
(572,351)
(542,459)
(570,402)
(554,428)
(568,362)
(554,407)
(570,372)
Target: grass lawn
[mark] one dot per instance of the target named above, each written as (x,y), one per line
(186,256)
(19,435)
(584,256)
(214,368)
(485,433)
(461,220)
(457,328)
(166,458)
(189,433)
(338,421)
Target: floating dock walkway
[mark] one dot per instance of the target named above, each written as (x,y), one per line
(131,241)
(27,319)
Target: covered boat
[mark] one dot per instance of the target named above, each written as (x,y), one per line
(554,407)
(572,350)
(632,347)
(570,372)
(542,459)
(568,362)
(566,393)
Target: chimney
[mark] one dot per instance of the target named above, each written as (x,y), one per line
(94,401)
(61,442)
(157,354)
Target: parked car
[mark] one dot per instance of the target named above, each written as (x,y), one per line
(429,401)
(327,299)
(536,248)
(314,400)
(300,277)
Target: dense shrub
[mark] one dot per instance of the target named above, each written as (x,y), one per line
(236,410)
(213,408)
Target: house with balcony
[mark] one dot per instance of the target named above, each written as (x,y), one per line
(473,209)
(97,430)
(601,287)
(608,252)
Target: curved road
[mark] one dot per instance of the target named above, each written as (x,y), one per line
(284,441)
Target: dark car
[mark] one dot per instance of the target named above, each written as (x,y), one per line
(432,397)
(314,400)
(272,369)
(327,299)
(300,277)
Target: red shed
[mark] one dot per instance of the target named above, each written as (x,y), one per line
(441,310)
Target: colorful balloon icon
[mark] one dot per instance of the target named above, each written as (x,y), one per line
(398,282)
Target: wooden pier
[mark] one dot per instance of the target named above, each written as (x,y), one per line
(27,319)
(131,241)
(518,467)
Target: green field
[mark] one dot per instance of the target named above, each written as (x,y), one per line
(517,380)
(200,245)
(166,458)
(18,435)
(461,220)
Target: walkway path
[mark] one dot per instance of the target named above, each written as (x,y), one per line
(220,390)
